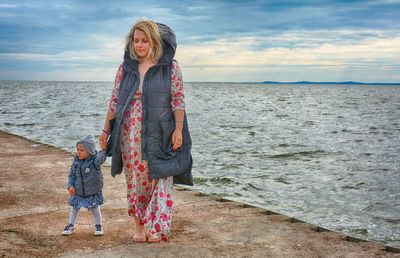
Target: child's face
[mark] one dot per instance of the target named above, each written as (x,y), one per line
(81,152)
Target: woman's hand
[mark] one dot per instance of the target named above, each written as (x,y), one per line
(106,130)
(103,140)
(72,191)
(177,138)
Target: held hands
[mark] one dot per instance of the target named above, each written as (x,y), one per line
(103,141)
(72,191)
(176,139)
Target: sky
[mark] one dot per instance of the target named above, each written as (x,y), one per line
(221,41)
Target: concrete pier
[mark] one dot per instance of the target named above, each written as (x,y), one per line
(34,210)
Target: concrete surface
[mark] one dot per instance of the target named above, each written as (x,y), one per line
(34,209)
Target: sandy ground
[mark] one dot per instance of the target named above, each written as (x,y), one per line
(34,209)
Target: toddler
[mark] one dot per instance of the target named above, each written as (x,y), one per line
(85,183)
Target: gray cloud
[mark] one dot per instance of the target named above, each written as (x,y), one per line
(49,30)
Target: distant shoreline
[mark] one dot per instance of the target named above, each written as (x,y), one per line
(346,82)
(255,82)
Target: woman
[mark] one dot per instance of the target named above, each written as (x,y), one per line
(148,105)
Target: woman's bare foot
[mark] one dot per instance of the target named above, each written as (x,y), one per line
(139,237)
(153,239)
(140,234)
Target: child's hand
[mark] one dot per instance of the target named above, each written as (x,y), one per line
(103,141)
(72,191)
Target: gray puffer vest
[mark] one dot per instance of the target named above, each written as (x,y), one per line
(158,121)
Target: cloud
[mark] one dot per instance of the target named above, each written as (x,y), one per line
(227,57)
(215,38)
(298,47)
(109,50)
(97,64)
(75,74)
(299,55)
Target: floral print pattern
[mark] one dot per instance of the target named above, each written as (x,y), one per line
(149,200)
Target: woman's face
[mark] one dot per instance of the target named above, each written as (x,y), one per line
(141,44)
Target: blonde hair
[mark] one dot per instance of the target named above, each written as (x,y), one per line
(152,33)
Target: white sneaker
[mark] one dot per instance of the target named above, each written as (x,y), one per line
(68,230)
(98,231)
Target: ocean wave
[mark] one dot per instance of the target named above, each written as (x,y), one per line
(19,124)
(216,181)
(297,154)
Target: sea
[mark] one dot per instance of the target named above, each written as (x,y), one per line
(327,154)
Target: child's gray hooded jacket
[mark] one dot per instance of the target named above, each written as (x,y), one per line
(86,175)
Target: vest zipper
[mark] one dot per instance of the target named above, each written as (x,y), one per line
(144,119)
(83,184)
(144,101)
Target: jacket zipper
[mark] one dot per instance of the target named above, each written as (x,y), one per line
(145,102)
(144,119)
(83,184)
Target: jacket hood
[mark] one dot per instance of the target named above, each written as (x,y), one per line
(89,143)
(169,43)
(168,39)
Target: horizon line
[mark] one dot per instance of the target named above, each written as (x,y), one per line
(255,82)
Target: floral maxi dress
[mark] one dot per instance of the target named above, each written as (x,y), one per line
(148,200)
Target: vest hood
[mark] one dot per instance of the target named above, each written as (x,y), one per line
(169,43)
